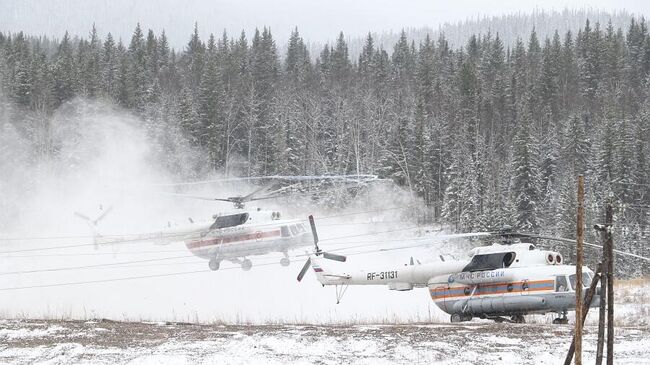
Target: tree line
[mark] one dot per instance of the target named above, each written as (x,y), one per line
(488,134)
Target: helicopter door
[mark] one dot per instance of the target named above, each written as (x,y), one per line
(563,296)
(561,285)
(525,287)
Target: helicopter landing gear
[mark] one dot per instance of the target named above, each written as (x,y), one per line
(214,264)
(561,320)
(518,318)
(285,261)
(456,318)
(246,264)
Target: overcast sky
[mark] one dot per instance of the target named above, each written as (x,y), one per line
(317,20)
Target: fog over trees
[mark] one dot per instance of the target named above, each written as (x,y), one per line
(487,134)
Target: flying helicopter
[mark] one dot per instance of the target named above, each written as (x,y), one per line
(509,279)
(237,234)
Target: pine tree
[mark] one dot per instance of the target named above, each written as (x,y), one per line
(210,106)
(568,75)
(340,61)
(64,72)
(22,76)
(193,59)
(589,64)
(109,67)
(403,61)
(90,65)
(188,117)
(297,63)
(137,82)
(548,84)
(366,65)
(525,186)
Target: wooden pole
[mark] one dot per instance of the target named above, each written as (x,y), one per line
(603,300)
(588,298)
(610,282)
(580,226)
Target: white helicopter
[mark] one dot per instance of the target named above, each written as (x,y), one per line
(495,282)
(235,235)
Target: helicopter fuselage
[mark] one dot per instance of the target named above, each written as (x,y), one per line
(508,291)
(231,237)
(248,239)
(498,280)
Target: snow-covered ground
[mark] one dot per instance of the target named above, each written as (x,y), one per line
(266,316)
(107,342)
(24,341)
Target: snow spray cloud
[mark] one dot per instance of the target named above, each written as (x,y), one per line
(85,155)
(92,153)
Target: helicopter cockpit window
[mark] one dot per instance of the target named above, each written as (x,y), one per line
(490,261)
(561,284)
(586,280)
(508,258)
(232,220)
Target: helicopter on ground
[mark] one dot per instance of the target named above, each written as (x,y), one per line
(237,234)
(498,281)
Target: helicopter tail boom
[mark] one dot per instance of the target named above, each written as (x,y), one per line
(403,277)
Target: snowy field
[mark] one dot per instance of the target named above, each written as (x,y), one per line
(108,342)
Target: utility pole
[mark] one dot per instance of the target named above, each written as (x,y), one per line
(610,281)
(603,297)
(588,297)
(579,254)
(606,289)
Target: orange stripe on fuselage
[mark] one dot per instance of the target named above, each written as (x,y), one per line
(517,284)
(201,244)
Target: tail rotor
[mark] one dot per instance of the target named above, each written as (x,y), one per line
(318,251)
(92,223)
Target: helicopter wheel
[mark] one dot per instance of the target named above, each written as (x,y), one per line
(456,318)
(518,318)
(561,320)
(214,264)
(246,265)
(285,261)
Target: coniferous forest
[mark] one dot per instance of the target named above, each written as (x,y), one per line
(487,134)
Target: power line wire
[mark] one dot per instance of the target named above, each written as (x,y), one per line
(90,266)
(136,236)
(176,257)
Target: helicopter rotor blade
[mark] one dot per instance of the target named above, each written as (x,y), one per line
(198,197)
(264,198)
(275,177)
(465,235)
(573,241)
(335,257)
(250,196)
(82,216)
(103,215)
(313,232)
(231,199)
(304,269)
